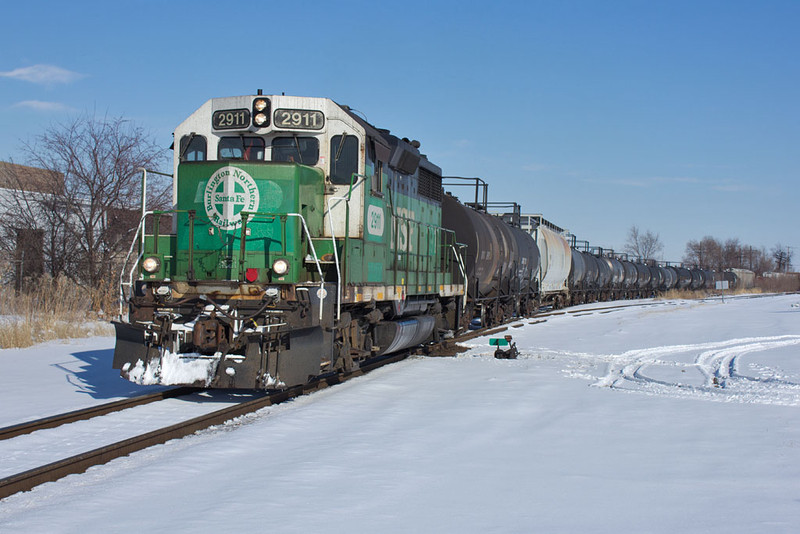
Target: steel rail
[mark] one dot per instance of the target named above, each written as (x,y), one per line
(90,412)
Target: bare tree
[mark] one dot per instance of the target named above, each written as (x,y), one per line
(705,254)
(783,258)
(732,253)
(759,261)
(644,245)
(92,165)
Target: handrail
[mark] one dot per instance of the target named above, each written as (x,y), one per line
(144,195)
(122,284)
(346,236)
(463,274)
(138,237)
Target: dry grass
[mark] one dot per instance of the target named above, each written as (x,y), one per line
(782,284)
(688,294)
(53,309)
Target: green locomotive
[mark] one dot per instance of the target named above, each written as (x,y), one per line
(302,240)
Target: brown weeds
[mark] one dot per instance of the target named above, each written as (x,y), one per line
(49,309)
(688,294)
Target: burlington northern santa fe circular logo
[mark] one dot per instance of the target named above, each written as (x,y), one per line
(229,192)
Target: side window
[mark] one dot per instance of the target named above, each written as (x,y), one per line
(344,158)
(245,148)
(376,178)
(303,150)
(193,148)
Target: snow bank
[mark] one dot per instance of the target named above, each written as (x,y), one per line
(610,421)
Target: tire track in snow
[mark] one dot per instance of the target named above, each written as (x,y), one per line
(719,365)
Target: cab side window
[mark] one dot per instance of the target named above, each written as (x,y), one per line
(193,148)
(344,158)
(244,148)
(373,161)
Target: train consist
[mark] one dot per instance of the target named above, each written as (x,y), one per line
(304,240)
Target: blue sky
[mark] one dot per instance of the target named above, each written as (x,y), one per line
(681,117)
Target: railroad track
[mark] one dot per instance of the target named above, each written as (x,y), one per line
(93,411)
(592,310)
(79,463)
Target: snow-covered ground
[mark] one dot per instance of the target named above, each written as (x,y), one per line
(677,416)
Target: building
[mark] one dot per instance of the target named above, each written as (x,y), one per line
(28,196)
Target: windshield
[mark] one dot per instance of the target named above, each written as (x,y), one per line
(245,148)
(295,149)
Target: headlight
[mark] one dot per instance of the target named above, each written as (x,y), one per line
(261,112)
(280,267)
(151,264)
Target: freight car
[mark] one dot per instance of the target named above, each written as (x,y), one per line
(740,278)
(502,262)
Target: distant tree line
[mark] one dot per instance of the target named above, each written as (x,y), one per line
(714,254)
(718,255)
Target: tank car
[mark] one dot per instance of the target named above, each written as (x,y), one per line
(555,265)
(643,277)
(617,272)
(577,271)
(631,277)
(592,271)
(501,262)
(698,279)
(656,278)
(302,240)
(684,277)
(582,281)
